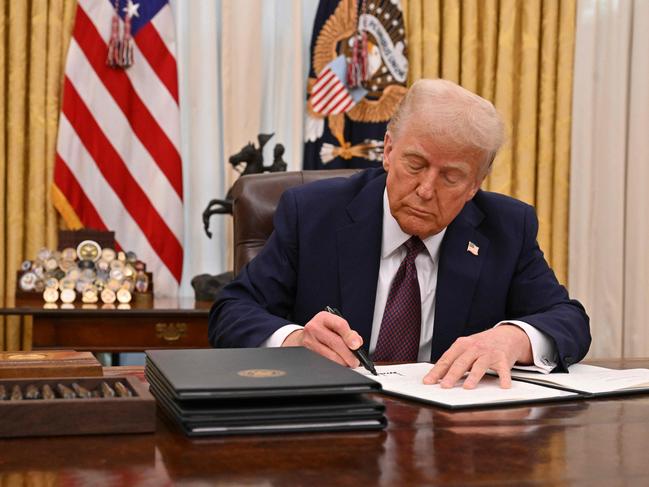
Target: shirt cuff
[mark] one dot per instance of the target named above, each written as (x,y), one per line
(543,349)
(277,338)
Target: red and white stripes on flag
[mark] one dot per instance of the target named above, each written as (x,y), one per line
(329,95)
(118,163)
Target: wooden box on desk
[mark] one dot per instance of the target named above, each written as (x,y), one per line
(97,415)
(49,363)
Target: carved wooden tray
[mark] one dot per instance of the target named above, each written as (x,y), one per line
(134,413)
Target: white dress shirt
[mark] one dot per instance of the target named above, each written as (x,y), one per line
(392,253)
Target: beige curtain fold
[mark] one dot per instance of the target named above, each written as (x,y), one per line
(34,35)
(519,55)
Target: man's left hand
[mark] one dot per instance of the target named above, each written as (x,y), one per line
(497,349)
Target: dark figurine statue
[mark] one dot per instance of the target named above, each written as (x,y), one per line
(278,165)
(254,164)
(206,286)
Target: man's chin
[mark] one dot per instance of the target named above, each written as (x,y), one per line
(415,226)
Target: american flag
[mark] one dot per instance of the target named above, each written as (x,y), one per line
(118,163)
(330,95)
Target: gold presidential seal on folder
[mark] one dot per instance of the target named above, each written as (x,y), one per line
(261,373)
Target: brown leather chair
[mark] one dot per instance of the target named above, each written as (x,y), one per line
(255,198)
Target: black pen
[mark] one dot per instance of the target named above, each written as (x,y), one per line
(359,352)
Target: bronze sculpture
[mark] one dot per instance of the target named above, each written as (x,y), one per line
(254,164)
(206,286)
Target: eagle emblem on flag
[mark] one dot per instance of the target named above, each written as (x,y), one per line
(359,75)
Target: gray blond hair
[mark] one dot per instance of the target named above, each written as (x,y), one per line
(461,118)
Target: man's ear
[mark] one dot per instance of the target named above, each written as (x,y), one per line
(387,149)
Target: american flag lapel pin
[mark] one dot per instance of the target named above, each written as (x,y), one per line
(472,248)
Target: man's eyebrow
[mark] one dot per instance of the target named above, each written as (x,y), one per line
(462,166)
(414,153)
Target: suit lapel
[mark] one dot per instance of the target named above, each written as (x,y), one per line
(459,270)
(359,254)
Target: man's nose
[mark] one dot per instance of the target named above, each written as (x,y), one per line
(426,187)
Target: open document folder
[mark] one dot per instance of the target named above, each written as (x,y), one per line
(406,380)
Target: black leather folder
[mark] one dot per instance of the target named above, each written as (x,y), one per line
(251,391)
(252,372)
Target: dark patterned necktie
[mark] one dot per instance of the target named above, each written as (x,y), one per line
(401,325)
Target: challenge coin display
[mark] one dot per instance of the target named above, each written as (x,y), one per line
(87,274)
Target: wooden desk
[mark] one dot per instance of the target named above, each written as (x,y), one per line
(151,323)
(602,442)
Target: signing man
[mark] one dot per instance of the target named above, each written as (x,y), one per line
(423,265)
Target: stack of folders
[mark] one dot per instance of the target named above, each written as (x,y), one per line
(260,390)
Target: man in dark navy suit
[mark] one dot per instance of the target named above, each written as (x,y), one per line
(423,265)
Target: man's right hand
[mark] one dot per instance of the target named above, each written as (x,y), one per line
(330,336)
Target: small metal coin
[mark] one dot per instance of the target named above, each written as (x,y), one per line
(69,253)
(27,281)
(140,266)
(108,254)
(74,273)
(89,296)
(38,270)
(127,284)
(89,250)
(26,265)
(131,256)
(43,254)
(39,286)
(66,283)
(81,285)
(124,296)
(108,296)
(52,282)
(51,264)
(68,296)
(66,264)
(129,271)
(117,274)
(50,295)
(88,274)
(103,265)
(117,264)
(121,256)
(86,264)
(113,285)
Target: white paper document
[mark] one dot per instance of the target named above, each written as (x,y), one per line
(591,379)
(406,380)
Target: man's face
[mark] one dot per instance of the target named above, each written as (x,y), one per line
(428,181)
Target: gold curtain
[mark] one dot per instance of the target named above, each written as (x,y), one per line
(34,37)
(518,54)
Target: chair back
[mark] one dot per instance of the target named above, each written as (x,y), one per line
(255,198)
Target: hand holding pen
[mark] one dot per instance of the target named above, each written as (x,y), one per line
(329,335)
(359,352)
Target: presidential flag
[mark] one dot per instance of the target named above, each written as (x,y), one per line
(118,163)
(358,76)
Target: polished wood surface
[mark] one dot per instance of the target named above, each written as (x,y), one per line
(143,324)
(596,442)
